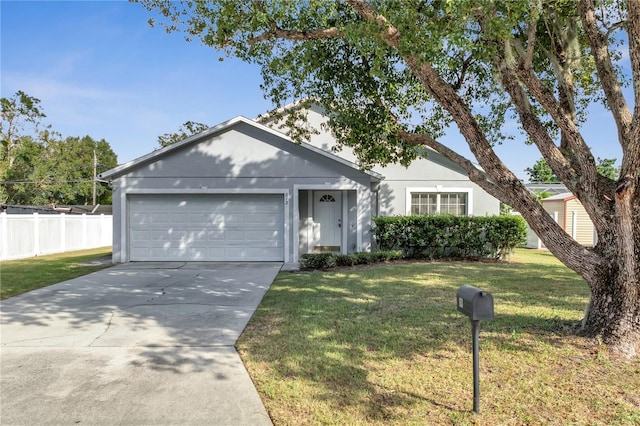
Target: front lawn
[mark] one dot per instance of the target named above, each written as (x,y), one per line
(22,275)
(385,345)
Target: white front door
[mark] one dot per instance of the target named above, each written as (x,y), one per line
(327,220)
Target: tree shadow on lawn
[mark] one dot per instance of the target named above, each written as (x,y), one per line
(178,322)
(339,330)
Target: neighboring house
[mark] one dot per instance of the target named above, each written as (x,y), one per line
(244,191)
(570,214)
(547,189)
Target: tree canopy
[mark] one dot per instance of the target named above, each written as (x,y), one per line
(540,172)
(38,166)
(395,75)
(188,128)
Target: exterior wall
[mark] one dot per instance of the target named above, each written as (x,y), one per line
(572,217)
(434,171)
(352,225)
(430,176)
(243,159)
(578,223)
(556,210)
(306,221)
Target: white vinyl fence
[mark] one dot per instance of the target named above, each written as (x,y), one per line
(28,235)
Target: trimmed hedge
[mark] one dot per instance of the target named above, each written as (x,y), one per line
(447,236)
(331,260)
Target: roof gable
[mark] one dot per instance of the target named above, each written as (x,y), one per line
(210,135)
(565,196)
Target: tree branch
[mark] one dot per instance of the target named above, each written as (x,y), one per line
(580,156)
(631,160)
(475,174)
(318,34)
(389,32)
(531,41)
(593,202)
(463,73)
(605,69)
(536,130)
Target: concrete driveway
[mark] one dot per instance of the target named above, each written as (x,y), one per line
(134,344)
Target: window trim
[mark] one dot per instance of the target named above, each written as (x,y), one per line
(438,189)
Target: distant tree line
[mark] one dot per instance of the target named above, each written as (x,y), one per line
(540,172)
(38,166)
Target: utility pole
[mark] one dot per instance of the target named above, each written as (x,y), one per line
(95,169)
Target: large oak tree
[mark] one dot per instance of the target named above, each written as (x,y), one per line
(396,74)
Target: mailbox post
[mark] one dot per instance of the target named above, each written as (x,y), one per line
(477,305)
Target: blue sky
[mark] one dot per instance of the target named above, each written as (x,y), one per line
(100,70)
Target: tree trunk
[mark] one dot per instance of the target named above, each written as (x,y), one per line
(613,314)
(614,309)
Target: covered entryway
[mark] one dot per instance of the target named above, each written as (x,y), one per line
(206,227)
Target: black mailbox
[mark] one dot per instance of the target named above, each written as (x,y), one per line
(475,303)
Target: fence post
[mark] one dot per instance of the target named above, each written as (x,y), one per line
(4,237)
(36,234)
(103,230)
(63,232)
(84,231)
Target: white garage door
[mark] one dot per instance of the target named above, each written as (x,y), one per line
(230,227)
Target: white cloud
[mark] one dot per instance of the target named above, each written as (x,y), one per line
(54,90)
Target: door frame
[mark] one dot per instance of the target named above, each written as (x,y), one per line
(345,213)
(341,196)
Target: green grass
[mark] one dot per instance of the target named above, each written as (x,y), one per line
(385,345)
(20,276)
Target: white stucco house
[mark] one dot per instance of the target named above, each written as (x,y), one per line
(244,191)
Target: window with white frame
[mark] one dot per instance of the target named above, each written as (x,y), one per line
(439,200)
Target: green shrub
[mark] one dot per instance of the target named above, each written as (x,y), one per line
(505,233)
(330,260)
(386,255)
(447,236)
(363,258)
(317,261)
(345,260)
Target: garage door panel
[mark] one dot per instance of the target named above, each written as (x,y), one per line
(196,218)
(159,218)
(261,235)
(140,235)
(215,235)
(140,252)
(207,227)
(267,218)
(158,235)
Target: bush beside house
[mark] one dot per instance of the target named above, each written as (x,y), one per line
(432,237)
(446,236)
(331,260)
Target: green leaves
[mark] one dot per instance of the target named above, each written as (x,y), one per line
(446,236)
(39,167)
(540,172)
(187,129)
